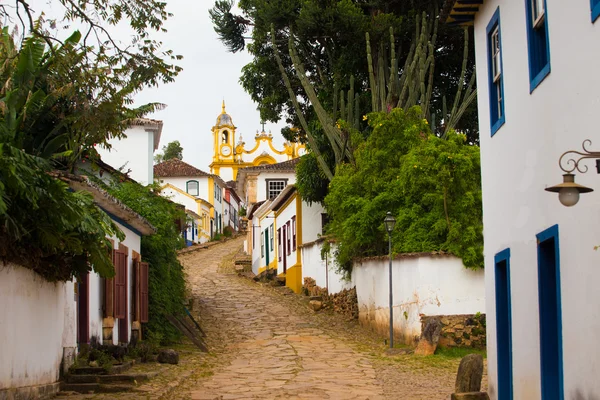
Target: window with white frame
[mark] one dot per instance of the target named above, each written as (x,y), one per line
(289,238)
(193,188)
(538,12)
(274,187)
(496,78)
(271,237)
(538,44)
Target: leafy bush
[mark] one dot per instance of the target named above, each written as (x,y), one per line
(166,275)
(44,225)
(431,185)
(228,231)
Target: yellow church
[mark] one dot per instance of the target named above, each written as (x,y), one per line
(230,156)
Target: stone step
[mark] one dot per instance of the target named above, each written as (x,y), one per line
(85,388)
(116,369)
(112,378)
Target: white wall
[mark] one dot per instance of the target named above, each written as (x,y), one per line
(180,182)
(33,316)
(421,285)
(281,220)
(261,185)
(263,147)
(323,271)
(255,244)
(518,162)
(311,221)
(134,152)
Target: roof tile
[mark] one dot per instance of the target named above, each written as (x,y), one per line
(176,167)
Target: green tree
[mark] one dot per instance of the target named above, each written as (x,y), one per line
(431,185)
(43,225)
(171,150)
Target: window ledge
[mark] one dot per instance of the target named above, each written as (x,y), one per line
(595,12)
(535,82)
(498,125)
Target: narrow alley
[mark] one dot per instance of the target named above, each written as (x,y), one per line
(270,347)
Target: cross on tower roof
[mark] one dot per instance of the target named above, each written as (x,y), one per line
(263,125)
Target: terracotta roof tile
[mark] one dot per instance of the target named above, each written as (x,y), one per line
(286,166)
(176,167)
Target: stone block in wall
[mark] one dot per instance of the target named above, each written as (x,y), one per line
(464,330)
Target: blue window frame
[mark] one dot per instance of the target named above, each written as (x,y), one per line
(495,76)
(193,188)
(503,324)
(595,9)
(549,297)
(538,44)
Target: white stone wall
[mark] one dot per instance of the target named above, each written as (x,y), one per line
(323,271)
(37,320)
(421,285)
(518,162)
(311,221)
(135,152)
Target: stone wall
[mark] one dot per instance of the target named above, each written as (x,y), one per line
(467,330)
(344,302)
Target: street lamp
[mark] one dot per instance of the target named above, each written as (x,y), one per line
(569,191)
(389,223)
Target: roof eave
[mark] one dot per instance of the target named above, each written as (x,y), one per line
(460,12)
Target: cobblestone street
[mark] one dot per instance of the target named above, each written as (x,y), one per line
(270,346)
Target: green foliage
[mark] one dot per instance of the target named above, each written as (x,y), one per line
(228,231)
(170,151)
(311,182)
(43,225)
(167,280)
(432,187)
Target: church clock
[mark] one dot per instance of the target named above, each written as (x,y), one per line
(226,150)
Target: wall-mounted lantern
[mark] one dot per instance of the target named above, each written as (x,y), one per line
(569,191)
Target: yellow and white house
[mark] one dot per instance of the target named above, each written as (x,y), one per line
(278,233)
(200,193)
(229,156)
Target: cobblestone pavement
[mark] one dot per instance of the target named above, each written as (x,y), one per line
(268,345)
(270,351)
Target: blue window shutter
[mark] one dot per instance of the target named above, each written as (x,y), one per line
(495,87)
(538,46)
(595,9)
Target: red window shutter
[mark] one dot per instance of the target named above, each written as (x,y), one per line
(294,232)
(144,271)
(279,243)
(120,285)
(289,238)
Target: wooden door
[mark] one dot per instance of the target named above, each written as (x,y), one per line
(284,252)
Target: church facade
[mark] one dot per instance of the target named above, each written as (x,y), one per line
(229,155)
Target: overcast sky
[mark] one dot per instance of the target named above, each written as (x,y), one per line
(209,74)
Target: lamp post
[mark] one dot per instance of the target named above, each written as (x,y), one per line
(569,191)
(389,223)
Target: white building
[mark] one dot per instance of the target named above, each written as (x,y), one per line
(538,97)
(134,154)
(198,191)
(44,322)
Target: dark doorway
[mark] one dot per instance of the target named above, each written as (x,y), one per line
(503,325)
(83,308)
(550,314)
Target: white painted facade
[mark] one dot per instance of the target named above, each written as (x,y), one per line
(421,285)
(323,270)
(135,152)
(37,321)
(286,230)
(261,183)
(181,181)
(518,162)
